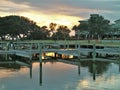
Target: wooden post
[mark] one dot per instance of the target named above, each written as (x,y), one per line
(94,52)
(30,52)
(78,46)
(79,64)
(43,45)
(94,71)
(67,45)
(40,67)
(7,48)
(31,70)
(75,45)
(119,63)
(55,55)
(64,45)
(60,56)
(40,53)
(79,59)
(2,44)
(78,52)
(40,76)
(94,57)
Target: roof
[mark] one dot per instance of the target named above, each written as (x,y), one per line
(117,21)
(117,25)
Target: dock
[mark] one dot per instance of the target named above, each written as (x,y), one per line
(24,49)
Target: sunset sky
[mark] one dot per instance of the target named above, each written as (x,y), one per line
(63,12)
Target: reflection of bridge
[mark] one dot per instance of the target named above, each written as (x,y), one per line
(78,64)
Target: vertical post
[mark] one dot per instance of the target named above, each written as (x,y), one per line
(94,52)
(55,55)
(2,44)
(60,56)
(30,52)
(119,63)
(40,53)
(43,45)
(40,68)
(30,70)
(75,46)
(67,45)
(94,57)
(79,64)
(79,59)
(79,52)
(94,71)
(40,82)
(7,48)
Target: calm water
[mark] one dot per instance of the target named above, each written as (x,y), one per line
(60,76)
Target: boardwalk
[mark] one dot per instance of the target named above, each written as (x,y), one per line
(28,49)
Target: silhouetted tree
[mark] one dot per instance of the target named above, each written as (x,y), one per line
(52,27)
(98,26)
(62,33)
(16,27)
(95,27)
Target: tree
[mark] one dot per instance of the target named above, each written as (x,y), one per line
(94,28)
(62,33)
(16,27)
(52,27)
(45,32)
(81,29)
(98,26)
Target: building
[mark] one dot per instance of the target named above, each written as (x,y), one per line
(116,29)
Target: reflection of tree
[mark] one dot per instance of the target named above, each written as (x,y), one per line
(100,66)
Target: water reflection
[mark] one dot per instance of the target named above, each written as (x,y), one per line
(94,71)
(40,73)
(63,75)
(119,65)
(79,67)
(30,70)
(11,67)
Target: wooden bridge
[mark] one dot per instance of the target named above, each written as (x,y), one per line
(28,49)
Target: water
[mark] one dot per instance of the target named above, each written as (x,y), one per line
(60,76)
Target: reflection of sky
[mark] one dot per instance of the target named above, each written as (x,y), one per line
(60,76)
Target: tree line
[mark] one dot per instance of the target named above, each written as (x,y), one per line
(96,27)
(18,27)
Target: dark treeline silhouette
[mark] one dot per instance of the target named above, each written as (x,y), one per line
(96,27)
(18,27)
(22,28)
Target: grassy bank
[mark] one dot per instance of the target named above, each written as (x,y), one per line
(108,43)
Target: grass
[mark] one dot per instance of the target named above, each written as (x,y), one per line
(82,42)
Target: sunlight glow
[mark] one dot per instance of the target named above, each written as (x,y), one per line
(40,17)
(43,19)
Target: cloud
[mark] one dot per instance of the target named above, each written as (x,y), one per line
(71,7)
(52,8)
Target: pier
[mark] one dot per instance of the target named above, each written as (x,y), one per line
(82,52)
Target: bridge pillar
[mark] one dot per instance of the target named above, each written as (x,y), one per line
(119,63)
(40,53)
(60,56)
(55,55)
(94,71)
(94,52)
